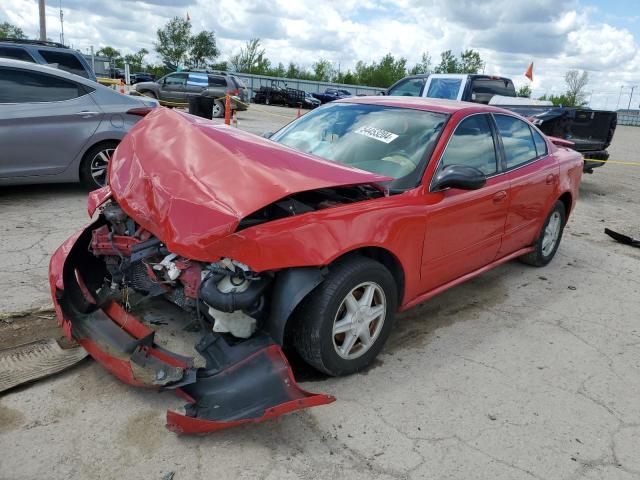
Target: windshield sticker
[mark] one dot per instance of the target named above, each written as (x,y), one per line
(377,134)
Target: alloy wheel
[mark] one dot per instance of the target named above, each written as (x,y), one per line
(99,165)
(551,233)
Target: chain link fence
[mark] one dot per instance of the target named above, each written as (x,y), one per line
(629,118)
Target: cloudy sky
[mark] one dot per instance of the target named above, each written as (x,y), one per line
(601,36)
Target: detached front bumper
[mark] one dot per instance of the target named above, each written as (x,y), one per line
(247,382)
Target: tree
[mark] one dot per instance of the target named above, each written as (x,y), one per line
(203,48)
(470,62)
(222,66)
(8,30)
(557,99)
(576,82)
(448,63)
(383,73)
(109,52)
(424,66)
(524,91)
(251,59)
(322,70)
(136,59)
(174,41)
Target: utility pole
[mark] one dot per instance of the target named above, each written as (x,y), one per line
(619,96)
(631,96)
(61,25)
(43,22)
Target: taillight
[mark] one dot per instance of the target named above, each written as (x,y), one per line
(141,111)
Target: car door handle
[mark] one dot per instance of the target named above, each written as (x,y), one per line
(87,114)
(550,178)
(498,197)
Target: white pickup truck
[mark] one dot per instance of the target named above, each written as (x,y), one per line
(591,131)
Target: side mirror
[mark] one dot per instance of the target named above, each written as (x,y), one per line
(383,92)
(267,134)
(460,176)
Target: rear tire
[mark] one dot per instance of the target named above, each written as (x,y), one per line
(217,110)
(343,324)
(548,240)
(94,165)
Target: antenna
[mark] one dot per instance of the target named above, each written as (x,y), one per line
(61,24)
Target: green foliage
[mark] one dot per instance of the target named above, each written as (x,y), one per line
(469,62)
(558,99)
(222,66)
(524,91)
(8,30)
(322,70)
(174,40)
(135,59)
(383,73)
(109,52)
(251,59)
(424,66)
(203,48)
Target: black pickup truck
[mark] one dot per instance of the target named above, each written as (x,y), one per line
(591,131)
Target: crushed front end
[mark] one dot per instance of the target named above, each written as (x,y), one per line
(158,320)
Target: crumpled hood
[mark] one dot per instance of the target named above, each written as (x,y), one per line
(190,181)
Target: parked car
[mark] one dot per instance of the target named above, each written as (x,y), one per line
(590,131)
(141,77)
(60,127)
(312,239)
(310,101)
(174,89)
(331,94)
(47,53)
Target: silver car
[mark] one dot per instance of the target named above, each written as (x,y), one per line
(60,127)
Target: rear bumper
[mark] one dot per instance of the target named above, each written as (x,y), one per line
(594,159)
(247,382)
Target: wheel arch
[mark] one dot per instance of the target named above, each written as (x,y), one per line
(295,284)
(567,201)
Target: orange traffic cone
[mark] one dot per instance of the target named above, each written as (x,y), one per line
(227,109)
(298,114)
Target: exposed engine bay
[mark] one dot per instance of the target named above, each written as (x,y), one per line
(123,290)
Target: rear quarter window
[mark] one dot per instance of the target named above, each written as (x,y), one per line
(16,54)
(541,145)
(66,61)
(217,81)
(24,86)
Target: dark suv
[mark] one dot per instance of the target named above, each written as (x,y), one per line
(47,53)
(174,90)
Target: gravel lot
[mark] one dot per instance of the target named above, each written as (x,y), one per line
(519,373)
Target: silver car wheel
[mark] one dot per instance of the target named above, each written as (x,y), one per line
(99,164)
(551,233)
(216,111)
(359,319)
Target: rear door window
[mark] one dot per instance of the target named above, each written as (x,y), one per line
(16,54)
(217,81)
(519,147)
(66,61)
(23,86)
(446,88)
(409,88)
(483,89)
(472,144)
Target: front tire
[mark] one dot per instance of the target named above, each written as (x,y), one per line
(548,241)
(95,163)
(343,324)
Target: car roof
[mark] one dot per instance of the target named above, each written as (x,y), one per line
(422,103)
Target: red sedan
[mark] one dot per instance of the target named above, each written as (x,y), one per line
(214,248)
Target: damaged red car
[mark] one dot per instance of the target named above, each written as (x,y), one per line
(215,249)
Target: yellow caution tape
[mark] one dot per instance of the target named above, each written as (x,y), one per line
(635,164)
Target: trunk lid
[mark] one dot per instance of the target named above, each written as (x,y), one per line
(190,181)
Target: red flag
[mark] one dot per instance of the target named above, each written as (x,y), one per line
(188,17)
(529,72)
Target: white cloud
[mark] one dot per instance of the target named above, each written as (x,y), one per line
(555,34)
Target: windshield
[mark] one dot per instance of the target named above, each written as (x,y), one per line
(446,88)
(391,141)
